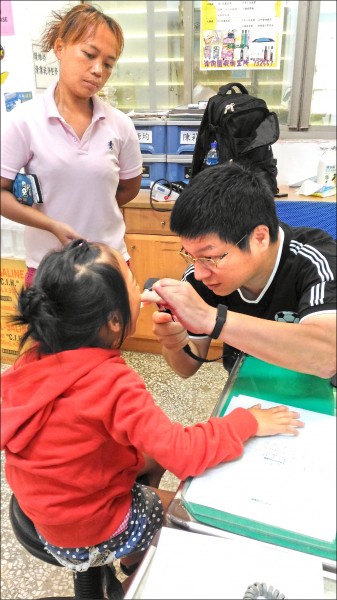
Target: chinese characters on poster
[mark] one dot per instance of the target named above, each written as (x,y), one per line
(240,35)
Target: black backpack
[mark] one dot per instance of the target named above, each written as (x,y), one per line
(243,128)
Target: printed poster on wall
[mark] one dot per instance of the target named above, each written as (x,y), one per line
(240,35)
(46,67)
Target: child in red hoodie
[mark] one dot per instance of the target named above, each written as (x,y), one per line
(79,427)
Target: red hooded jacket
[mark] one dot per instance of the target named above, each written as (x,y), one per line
(75,426)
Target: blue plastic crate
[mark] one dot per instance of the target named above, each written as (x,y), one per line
(154,167)
(179,167)
(151,135)
(181,136)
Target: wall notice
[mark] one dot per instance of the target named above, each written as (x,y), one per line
(7,26)
(240,35)
(46,67)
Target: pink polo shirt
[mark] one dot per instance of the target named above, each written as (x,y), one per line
(78,178)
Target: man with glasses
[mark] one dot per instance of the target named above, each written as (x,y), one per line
(259,285)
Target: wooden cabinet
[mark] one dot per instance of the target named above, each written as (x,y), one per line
(146,220)
(154,252)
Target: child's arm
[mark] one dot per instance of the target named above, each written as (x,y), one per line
(188,451)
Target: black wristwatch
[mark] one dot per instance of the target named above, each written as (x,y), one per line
(220,321)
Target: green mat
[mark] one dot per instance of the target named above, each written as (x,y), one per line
(261,380)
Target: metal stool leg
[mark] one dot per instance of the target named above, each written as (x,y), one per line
(113,587)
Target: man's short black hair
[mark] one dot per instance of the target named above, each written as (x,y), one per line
(229,200)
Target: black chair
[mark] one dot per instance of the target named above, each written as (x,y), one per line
(87,584)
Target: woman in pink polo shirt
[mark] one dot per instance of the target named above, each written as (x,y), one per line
(84,152)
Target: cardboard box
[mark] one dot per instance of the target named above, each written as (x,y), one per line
(12,276)
(10,339)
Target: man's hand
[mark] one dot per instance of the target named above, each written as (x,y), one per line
(186,305)
(172,335)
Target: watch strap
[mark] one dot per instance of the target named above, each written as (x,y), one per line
(220,321)
(190,353)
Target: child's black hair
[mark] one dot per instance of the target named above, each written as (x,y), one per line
(75,293)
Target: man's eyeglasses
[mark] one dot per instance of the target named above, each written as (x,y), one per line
(208,263)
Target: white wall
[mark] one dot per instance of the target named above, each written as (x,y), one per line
(296,160)
(29,21)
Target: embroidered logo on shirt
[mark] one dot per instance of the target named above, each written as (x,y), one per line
(110,145)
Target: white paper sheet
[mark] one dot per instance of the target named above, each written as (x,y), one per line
(284,481)
(191,565)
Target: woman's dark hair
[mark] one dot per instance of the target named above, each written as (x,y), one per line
(75,293)
(229,200)
(73,26)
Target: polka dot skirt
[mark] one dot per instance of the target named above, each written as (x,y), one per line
(146,517)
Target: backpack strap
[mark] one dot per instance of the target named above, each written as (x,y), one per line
(228,88)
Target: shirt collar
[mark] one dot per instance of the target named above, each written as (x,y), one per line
(272,275)
(52,110)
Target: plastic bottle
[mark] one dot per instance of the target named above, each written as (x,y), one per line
(326,169)
(212,157)
(237,54)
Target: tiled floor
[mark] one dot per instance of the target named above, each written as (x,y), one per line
(188,401)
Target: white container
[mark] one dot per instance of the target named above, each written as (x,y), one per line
(326,169)
(18,240)
(12,239)
(6,239)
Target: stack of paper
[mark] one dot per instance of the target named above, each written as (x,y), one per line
(190,565)
(281,481)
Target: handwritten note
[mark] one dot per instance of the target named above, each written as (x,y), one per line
(284,481)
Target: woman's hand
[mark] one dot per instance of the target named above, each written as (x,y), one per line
(276,420)
(64,233)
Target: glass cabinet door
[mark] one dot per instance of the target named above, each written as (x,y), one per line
(160,68)
(273,85)
(149,73)
(323,99)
